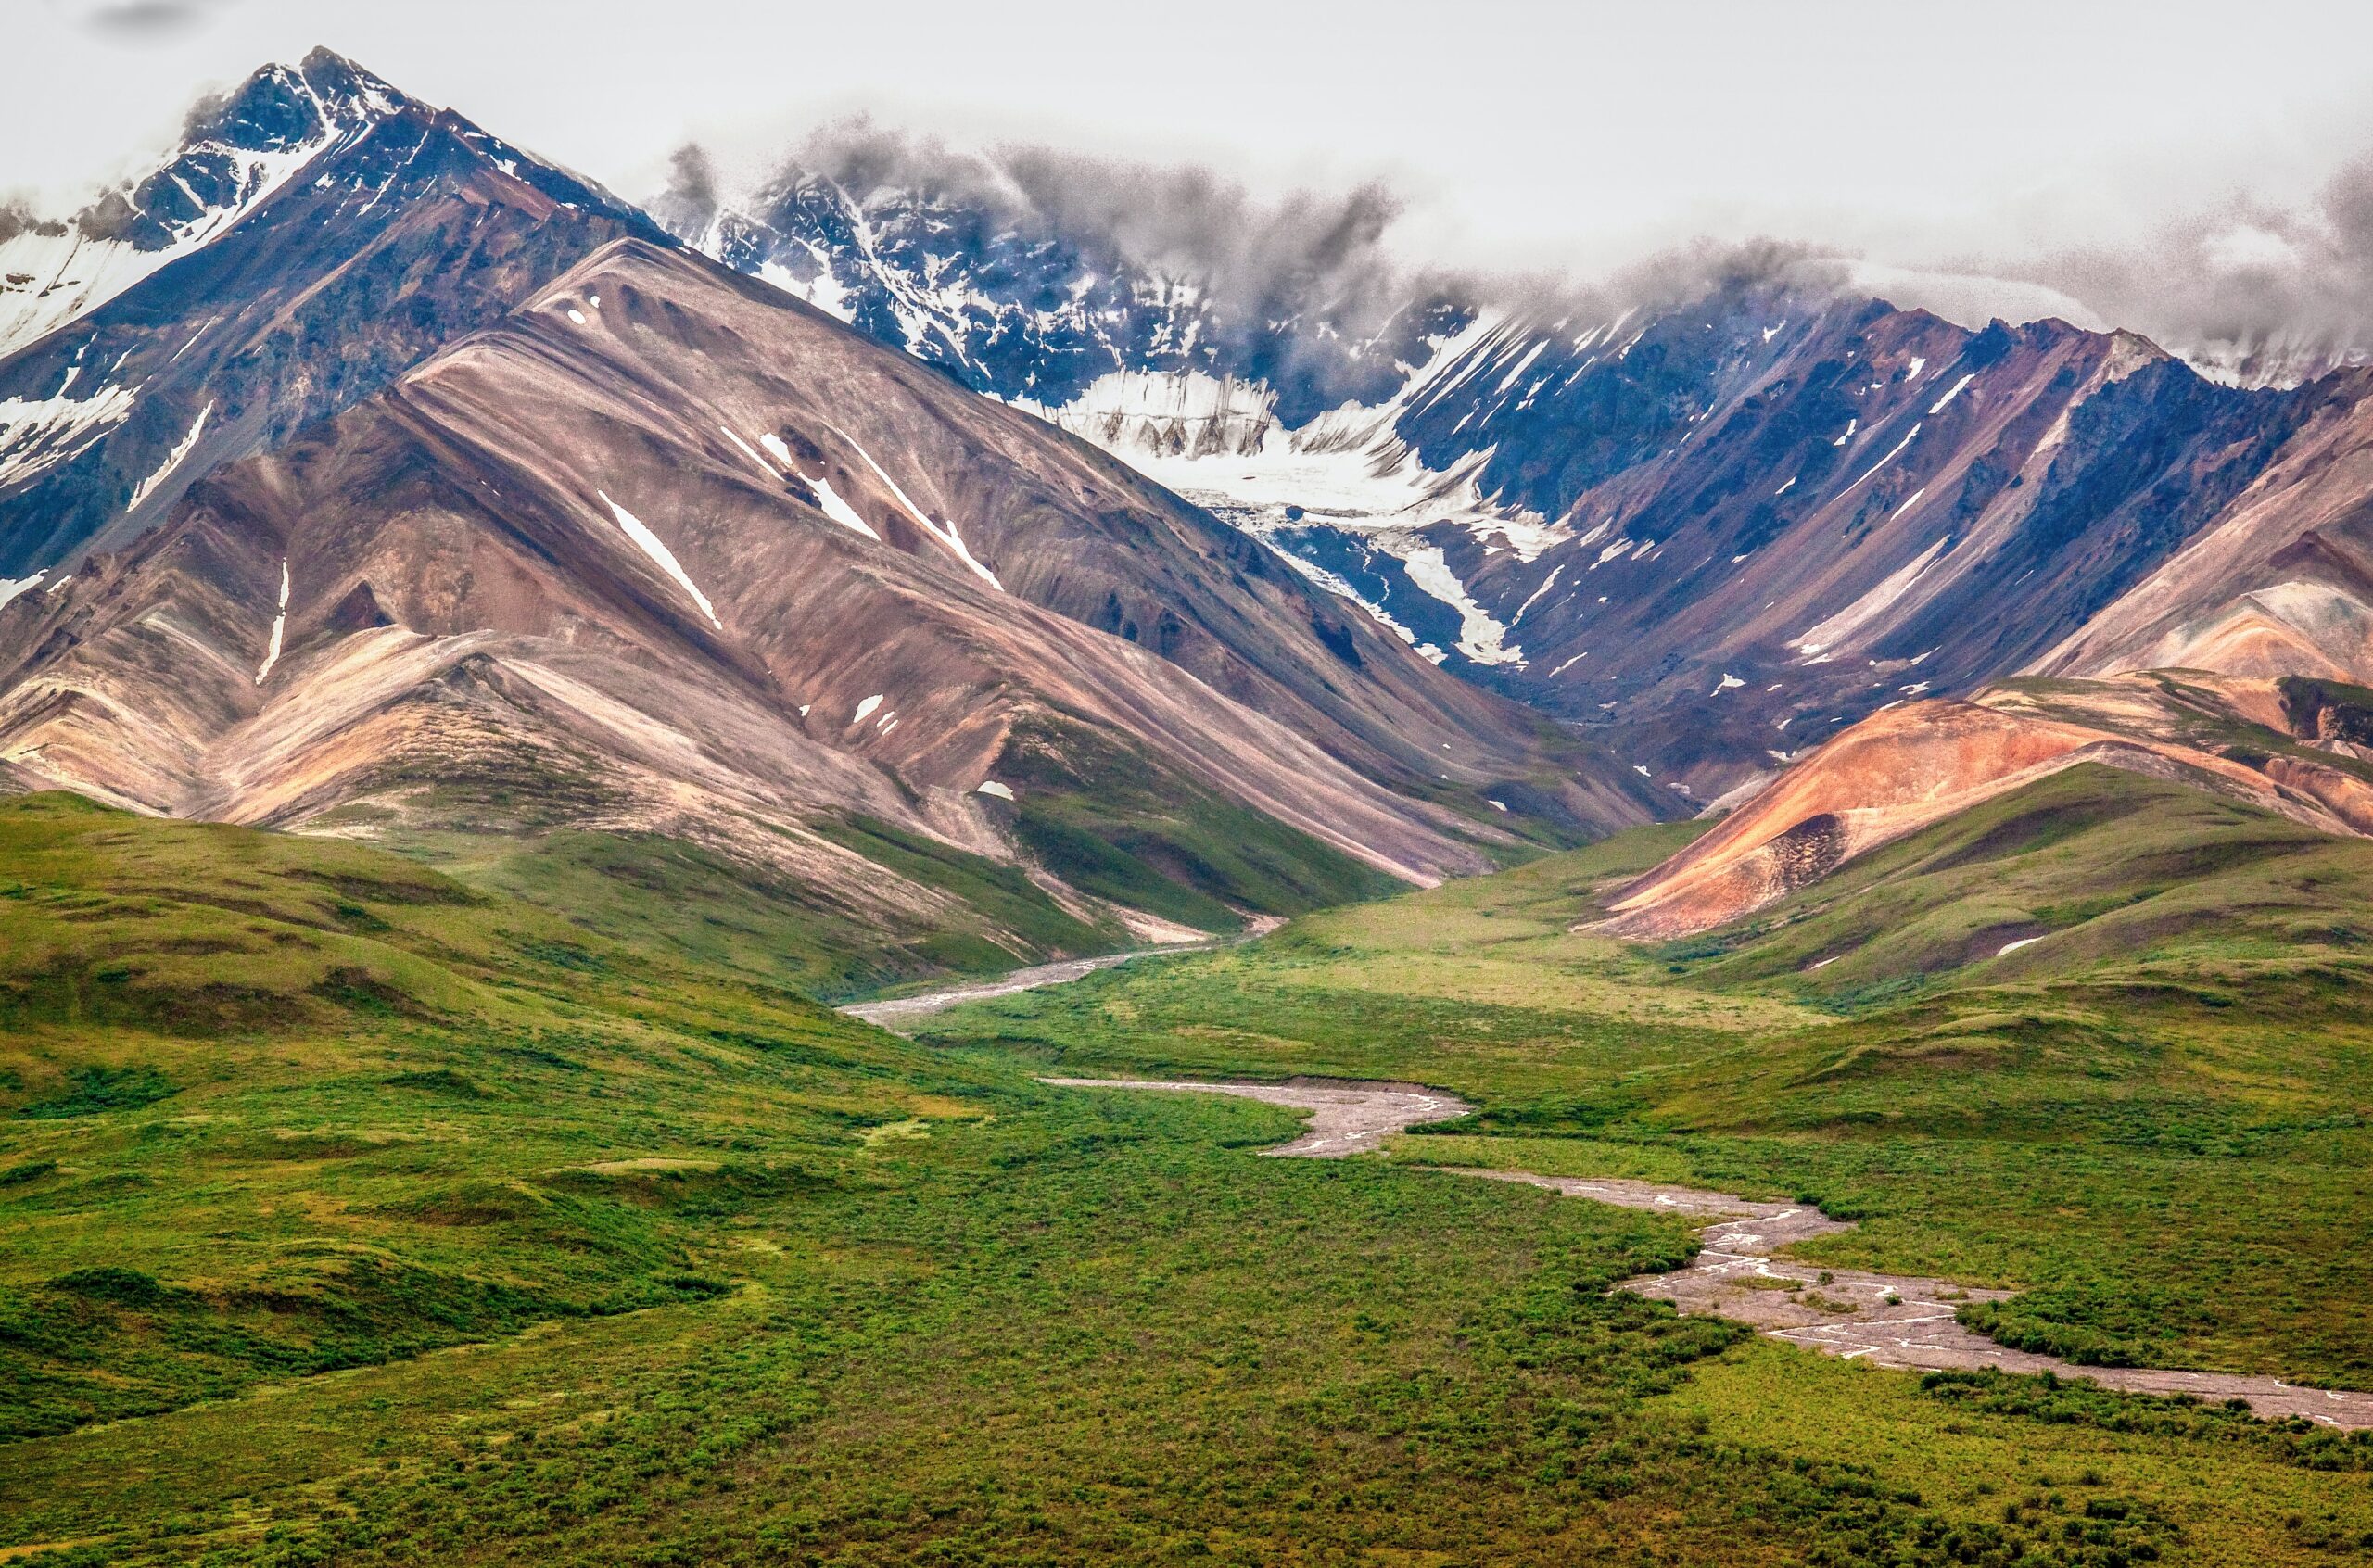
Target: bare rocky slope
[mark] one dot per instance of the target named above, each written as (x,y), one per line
(2289,745)
(2240,664)
(384,491)
(589,535)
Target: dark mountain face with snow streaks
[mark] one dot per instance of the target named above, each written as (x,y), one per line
(357,231)
(973,266)
(1712,528)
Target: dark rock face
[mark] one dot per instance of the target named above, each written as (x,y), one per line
(1011,300)
(1786,533)
(407,228)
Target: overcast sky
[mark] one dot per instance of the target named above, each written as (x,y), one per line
(1530,134)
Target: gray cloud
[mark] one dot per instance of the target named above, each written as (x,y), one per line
(2245,287)
(2260,291)
(143,19)
(692,197)
(1308,254)
(1257,260)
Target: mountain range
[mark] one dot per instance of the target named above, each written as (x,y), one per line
(1721,528)
(438,497)
(953,578)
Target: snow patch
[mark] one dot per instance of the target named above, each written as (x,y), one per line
(749,452)
(1535,597)
(1938,406)
(1480,638)
(2014,946)
(1866,609)
(164,470)
(945,535)
(991,787)
(865,709)
(279,627)
(72,273)
(1343,589)
(826,496)
(661,556)
(840,511)
(1892,451)
(37,433)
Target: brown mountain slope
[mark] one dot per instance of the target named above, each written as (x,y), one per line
(2280,583)
(387,228)
(2275,744)
(2237,664)
(665,551)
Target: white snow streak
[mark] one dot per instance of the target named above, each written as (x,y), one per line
(991,787)
(947,536)
(37,433)
(1545,587)
(1881,463)
(2014,946)
(661,556)
(1868,608)
(839,510)
(828,500)
(11,587)
(279,627)
(1480,638)
(172,459)
(1938,406)
(749,452)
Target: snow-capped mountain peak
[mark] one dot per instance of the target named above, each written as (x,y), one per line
(236,151)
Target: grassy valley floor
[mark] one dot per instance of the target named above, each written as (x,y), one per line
(353,1216)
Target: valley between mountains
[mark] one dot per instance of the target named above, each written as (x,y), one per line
(590,787)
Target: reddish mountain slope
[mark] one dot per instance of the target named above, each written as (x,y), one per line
(2285,746)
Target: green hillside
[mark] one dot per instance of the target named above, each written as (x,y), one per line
(352,1214)
(2154,1119)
